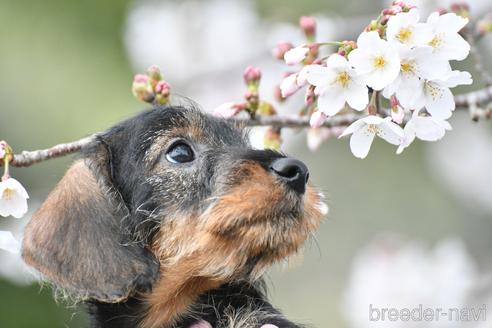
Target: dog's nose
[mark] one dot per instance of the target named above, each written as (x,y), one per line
(293,172)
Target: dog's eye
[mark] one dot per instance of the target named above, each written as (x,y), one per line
(180,153)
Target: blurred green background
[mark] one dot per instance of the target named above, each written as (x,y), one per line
(65,73)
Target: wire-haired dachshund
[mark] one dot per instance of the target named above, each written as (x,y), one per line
(170,219)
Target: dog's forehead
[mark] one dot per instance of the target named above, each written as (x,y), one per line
(158,127)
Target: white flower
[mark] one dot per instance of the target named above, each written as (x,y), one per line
(337,84)
(364,130)
(316,136)
(416,64)
(437,98)
(375,59)
(317,119)
(13,198)
(446,41)
(9,243)
(406,29)
(296,55)
(226,110)
(425,128)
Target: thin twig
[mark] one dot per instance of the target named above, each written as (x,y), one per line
(26,158)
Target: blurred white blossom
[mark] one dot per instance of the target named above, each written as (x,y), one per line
(390,273)
(13,198)
(9,243)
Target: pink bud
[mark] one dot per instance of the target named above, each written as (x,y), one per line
(317,119)
(154,73)
(309,97)
(252,75)
(397,113)
(162,87)
(226,110)
(141,78)
(142,89)
(3,149)
(289,86)
(308,26)
(281,48)
(394,102)
(277,93)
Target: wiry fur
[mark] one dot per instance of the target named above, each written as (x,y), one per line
(152,244)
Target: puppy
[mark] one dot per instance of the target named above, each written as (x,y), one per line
(170,219)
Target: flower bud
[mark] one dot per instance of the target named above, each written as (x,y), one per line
(296,55)
(461,9)
(227,110)
(277,94)
(289,86)
(397,113)
(272,139)
(163,90)
(280,50)
(3,149)
(154,74)
(317,119)
(142,89)
(266,109)
(309,96)
(252,98)
(484,26)
(308,26)
(252,75)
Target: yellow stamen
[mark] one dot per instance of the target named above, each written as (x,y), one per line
(379,62)
(407,67)
(343,79)
(404,35)
(435,42)
(7,193)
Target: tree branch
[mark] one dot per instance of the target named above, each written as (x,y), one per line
(27,158)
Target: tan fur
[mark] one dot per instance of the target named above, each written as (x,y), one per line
(201,252)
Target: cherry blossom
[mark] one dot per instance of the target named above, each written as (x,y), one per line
(337,84)
(13,198)
(9,243)
(415,65)
(375,60)
(365,129)
(405,28)
(437,98)
(446,41)
(296,55)
(425,128)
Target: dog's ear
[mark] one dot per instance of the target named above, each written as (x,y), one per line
(76,239)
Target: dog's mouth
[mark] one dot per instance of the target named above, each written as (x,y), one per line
(258,218)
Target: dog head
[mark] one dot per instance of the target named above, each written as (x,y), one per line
(169,186)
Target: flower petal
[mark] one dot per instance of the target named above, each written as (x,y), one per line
(331,101)
(357,96)
(391,132)
(361,141)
